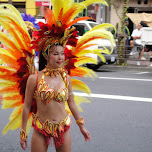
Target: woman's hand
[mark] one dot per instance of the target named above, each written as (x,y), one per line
(85,133)
(23,143)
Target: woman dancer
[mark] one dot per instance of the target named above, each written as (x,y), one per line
(51,90)
(43,106)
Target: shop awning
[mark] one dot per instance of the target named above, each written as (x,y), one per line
(136,18)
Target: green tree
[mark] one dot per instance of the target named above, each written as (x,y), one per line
(121,30)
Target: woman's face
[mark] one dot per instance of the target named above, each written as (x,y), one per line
(56,57)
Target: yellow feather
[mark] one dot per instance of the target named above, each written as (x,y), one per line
(103,26)
(3,51)
(102,33)
(13,124)
(11,33)
(85,61)
(16,111)
(79,85)
(6,83)
(79,100)
(89,72)
(57,5)
(83,53)
(8,103)
(7,41)
(14,13)
(101,56)
(106,51)
(67,4)
(9,68)
(84,4)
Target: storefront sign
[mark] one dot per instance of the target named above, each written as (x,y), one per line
(42,3)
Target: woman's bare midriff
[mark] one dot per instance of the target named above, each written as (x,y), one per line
(53,111)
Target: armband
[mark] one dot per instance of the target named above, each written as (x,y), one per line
(23,135)
(81,121)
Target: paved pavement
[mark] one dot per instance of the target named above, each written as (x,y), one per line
(131,66)
(118,117)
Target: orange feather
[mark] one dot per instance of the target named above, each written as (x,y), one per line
(16,104)
(77,72)
(15,97)
(8,60)
(10,89)
(68,14)
(19,111)
(49,16)
(24,35)
(8,77)
(60,15)
(17,54)
(9,42)
(79,19)
(16,36)
(3,69)
(82,48)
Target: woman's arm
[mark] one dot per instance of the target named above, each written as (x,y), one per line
(75,112)
(29,92)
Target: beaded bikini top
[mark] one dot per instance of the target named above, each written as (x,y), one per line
(46,94)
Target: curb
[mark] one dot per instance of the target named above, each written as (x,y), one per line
(126,68)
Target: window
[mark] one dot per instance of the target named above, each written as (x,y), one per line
(81,29)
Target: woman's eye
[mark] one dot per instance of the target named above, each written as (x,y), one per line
(55,54)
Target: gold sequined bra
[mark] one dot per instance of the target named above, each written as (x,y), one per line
(46,94)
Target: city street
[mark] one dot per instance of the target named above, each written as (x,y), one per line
(119,116)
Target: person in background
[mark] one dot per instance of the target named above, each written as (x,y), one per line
(136,38)
(136,41)
(127,32)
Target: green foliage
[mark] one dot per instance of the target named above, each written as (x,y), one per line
(121,30)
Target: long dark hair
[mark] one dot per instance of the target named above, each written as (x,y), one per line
(42,61)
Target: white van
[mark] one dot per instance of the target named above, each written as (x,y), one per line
(84,26)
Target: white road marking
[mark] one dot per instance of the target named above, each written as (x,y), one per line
(117,97)
(114,78)
(142,72)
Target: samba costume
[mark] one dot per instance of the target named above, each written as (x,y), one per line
(19,56)
(45,95)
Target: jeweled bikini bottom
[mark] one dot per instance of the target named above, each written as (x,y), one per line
(50,129)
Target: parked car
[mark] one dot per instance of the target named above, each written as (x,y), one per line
(40,19)
(84,26)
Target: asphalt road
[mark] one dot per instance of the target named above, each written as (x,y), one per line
(119,116)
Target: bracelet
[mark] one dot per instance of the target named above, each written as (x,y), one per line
(23,135)
(81,121)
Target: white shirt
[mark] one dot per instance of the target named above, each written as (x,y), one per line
(137,33)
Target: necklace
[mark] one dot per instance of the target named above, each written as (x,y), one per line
(52,72)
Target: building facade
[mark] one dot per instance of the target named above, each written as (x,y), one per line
(135,6)
(31,7)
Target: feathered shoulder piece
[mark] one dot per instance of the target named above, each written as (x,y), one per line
(18,63)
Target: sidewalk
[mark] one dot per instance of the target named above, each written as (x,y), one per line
(145,66)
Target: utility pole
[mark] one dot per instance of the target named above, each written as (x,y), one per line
(10,1)
(98,17)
